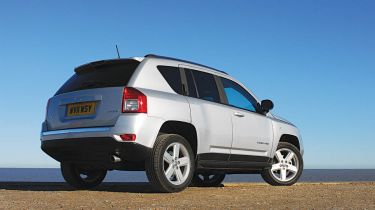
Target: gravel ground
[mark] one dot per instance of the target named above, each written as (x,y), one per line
(357,195)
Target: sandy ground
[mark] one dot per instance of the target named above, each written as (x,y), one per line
(359,195)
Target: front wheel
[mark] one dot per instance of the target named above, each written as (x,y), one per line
(206,179)
(80,177)
(286,167)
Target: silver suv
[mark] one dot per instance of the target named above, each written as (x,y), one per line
(182,122)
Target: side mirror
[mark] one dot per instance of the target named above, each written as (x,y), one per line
(266,105)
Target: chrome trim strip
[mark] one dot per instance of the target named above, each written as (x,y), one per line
(80,99)
(76,130)
(251,150)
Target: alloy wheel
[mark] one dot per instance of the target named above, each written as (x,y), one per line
(176,163)
(285,166)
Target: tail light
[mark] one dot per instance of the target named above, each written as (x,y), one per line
(133,101)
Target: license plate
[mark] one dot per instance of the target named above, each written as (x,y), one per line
(79,109)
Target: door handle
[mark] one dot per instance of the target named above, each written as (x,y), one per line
(237,114)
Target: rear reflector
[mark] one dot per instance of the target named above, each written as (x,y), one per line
(133,101)
(128,137)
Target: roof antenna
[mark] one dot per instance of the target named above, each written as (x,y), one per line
(118,54)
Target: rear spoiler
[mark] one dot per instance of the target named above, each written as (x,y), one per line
(95,64)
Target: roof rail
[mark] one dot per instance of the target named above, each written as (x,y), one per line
(176,59)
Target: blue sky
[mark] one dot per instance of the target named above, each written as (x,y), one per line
(314,59)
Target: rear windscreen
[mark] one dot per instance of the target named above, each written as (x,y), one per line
(100,76)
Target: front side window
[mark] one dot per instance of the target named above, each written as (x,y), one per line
(238,96)
(206,86)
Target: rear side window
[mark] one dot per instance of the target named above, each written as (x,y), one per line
(100,76)
(206,86)
(172,76)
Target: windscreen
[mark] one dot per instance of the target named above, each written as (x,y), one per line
(100,76)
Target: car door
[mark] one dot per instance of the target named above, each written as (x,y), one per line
(252,132)
(211,119)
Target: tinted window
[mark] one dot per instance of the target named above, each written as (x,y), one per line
(99,76)
(237,96)
(206,86)
(190,83)
(172,76)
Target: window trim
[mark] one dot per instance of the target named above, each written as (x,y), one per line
(185,72)
(190,70)
(220,87)
(185,88)
(223,96)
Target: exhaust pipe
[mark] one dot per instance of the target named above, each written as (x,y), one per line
(115,159)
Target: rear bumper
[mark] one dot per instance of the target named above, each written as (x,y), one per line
(94,150)
(102,132)
(143,126)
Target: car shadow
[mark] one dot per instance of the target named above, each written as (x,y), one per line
(130,187)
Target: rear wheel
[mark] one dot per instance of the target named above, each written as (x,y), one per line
(80,177)
(286,168)
(206,179)
(171,164)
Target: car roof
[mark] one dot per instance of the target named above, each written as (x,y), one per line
(140,59)
(153,56)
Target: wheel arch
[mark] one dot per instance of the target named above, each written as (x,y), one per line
(184,129)
(292,139)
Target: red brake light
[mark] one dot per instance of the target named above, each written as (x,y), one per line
(133,101)
(128,137)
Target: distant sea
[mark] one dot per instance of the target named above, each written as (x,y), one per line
(309,175)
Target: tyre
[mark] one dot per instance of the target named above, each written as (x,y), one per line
(207,179)
(81,178)
(170,166)
(286,167)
